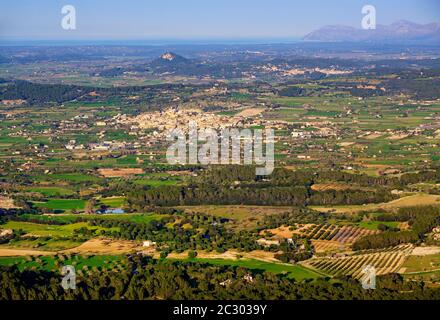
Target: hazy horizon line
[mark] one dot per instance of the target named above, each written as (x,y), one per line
(158,41)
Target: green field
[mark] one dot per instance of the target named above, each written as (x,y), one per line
(116,202)
(156,183)
(72,218)
(373,225)
(49,230)
(47,263)
(51,244)
(421,264)
(62,204)
(52,191)
(78,204)
(69,177)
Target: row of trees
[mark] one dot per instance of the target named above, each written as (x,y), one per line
(275,196)
(385,240)
(203,194)
(222,174)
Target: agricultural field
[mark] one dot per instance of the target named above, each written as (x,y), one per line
(421,264)
(327,246)
(69,177)
(157,182)
(406,201)
(73,218)
(343,235)
(53,263)
(114,202)
(329,232)
(48,230)
(374,225)
(62,204)
(384,261)
(51,191)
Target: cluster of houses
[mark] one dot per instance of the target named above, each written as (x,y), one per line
(323,129)
(103,146)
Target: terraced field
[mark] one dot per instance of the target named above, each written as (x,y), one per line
(322,246)
(344,234)
(384,261)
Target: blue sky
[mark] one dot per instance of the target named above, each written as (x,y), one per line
(193,19)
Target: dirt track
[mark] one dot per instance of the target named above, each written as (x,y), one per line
(23,252)
(120,172)
(425,251)
(251,112)
(93,246)
(105,246)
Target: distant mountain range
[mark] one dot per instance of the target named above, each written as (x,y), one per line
(399,31)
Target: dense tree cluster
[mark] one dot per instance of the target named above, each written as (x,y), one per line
(385,239)
(422,176)
(274,196)
(359,179)
(421,219)
(294,250)
(335,197)
(418,88)
(141,278)
(40,93)
(196,195)
(292,91)
(16,211)
(240,185)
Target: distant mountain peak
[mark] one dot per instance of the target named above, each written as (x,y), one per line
(401,30)
(168,56)
(169,61)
